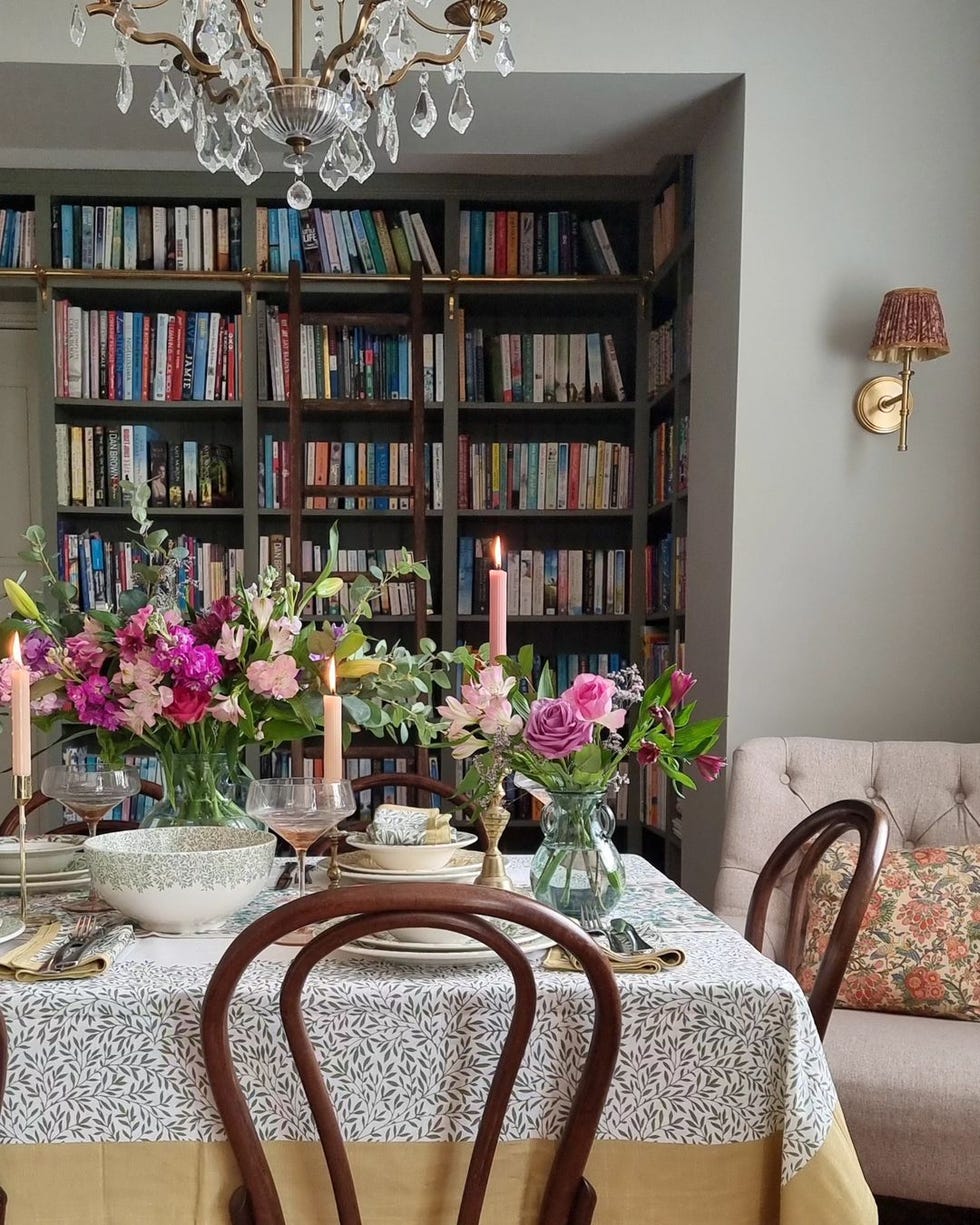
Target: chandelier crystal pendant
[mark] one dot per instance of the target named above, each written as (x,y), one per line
(224,81)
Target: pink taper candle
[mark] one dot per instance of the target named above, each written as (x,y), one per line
(498,605)
(20,713)
(333,757)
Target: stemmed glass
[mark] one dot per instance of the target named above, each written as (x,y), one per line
(90,794)
(300,810)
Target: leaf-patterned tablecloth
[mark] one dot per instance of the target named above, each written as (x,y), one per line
(721,1050)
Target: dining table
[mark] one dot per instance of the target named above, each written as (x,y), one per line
(721,1111)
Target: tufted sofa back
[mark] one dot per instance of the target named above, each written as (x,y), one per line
(929,790)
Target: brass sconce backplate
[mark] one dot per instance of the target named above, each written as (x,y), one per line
(867,404)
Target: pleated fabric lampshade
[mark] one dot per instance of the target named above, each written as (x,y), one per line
(910,320)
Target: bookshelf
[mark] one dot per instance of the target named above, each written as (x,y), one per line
(578,300)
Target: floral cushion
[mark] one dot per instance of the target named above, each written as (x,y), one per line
(918,950)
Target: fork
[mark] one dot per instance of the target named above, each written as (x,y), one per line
(84,926)
(594,924)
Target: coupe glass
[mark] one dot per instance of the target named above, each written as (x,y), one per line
(89,795)
(300,810)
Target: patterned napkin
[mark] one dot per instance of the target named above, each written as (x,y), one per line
(650,961)
(400,824)
(26,963)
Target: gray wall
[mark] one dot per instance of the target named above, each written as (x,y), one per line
(853,601)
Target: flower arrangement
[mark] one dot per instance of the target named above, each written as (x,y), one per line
(156,676)
(577,740)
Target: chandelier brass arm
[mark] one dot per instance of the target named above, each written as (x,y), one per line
(107,8)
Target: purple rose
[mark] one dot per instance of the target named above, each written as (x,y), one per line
(555,728)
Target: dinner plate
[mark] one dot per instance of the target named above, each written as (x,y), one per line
(360,863)
(10,927)
(387,940)
(76,870)
(76,882)
(403,954)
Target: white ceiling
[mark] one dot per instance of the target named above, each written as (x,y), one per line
(63,116)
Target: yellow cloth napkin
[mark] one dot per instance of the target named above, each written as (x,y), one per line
(26,963)
(647,962)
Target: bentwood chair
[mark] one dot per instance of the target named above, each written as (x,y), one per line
(569,1198)
(804,845)
(4,1051)
(9,824)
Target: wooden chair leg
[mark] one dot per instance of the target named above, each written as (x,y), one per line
(584,1206)
(3,1205)
(239,1208)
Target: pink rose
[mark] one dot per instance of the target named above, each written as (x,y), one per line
(555,728)
(648,754)
(709,767)
(680,685)
(187,706)
(274,678)
(592,697)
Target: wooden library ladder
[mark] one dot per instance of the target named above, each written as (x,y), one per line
(300,408)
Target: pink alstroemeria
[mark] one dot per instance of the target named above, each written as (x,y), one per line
(282,633)
(227,710)
(142,706)
(680,685)
(137,673)
(262,609)
(274,678)
(709,766)
(648,754)
(661,715)
(499,719)
(132,636)
(460,717)
(229,645)
(466,748)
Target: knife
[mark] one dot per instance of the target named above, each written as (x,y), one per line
(70,952)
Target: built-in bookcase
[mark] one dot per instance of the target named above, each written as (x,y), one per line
(597,384)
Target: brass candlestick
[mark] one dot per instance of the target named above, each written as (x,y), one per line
(23,790)
(333,871)
(494,871)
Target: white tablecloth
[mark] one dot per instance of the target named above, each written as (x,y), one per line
(721,1050)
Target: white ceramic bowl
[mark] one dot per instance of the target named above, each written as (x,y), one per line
(426,858)
(43,855)
(182,878)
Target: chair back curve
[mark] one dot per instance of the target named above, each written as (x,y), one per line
(929,792)
(467,910)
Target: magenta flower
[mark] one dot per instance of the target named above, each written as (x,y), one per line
(198,668)
(680,685)
(709,767)
(95,703)
(84,653)
(592,697)
(132,636)
(208,627)
(273,678)
(555,728)
(648,754)
(34,652)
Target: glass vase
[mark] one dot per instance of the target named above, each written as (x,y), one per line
(198,789)
(578,863)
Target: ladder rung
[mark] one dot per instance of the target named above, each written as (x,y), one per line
(353,491)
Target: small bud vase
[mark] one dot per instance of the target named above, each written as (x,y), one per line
(578,863)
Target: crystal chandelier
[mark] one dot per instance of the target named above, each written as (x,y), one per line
(224,81)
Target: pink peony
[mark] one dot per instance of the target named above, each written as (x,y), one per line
(274,678)
(680,685)
(555,728)
(709,766)
(648,754)
(592,697)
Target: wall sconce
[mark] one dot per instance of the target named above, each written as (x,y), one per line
(910,328)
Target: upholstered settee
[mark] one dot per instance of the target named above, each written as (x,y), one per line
(909,1086)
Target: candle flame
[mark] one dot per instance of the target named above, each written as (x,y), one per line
(496,551)
(332,675)
(15,651)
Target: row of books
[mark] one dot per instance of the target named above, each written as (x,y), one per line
(668,461)
(545,582)
(556,242)
(338,362)
(136,355)
(94,461)
(103,569)
(666,574)
(544,475)
(152,237)
(660,368)
(397,599)
(659,651)
(540,368)
(566,666)
(135,807)
(279,764)
(17,239)
(348,463)
(357,240)
(666,224)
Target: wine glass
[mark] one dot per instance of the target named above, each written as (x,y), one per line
(300,810)
(89,795)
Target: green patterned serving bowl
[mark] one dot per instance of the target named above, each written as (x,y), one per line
(180,879)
